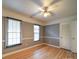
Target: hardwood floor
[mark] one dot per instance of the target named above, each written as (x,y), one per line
(43,52)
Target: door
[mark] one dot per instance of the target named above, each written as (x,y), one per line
(65,36)
(73,25)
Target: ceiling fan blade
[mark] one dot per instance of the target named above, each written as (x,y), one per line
(53,2)
(54,14)
(36,13)
(51,13)
(39,3)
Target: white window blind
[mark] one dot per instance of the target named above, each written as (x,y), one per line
(14,36)
(36,32)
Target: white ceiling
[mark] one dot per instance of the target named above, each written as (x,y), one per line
(61,9)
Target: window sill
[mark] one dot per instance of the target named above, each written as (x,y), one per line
(13,45)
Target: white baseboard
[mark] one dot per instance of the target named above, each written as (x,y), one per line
(28,48)
(20,50)
(51,45)
(74,51)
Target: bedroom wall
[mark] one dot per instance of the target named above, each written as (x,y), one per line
(27,29)
(27,37)
(52,34)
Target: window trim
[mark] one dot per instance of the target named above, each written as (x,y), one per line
(12,18)
(13,45)
(6,35)
(39,32)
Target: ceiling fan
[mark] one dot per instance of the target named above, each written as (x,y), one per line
(45,10)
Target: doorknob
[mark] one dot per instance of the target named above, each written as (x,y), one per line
(73,38)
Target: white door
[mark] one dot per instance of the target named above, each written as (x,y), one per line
(65,36)
(73,25)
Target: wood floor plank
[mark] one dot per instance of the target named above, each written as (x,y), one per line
(43,52)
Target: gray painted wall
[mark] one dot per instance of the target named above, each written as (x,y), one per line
(27,36)
(52,34)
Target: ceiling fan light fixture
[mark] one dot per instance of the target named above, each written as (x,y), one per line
(46,14)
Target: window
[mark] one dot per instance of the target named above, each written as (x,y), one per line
(36,32)
(13,34)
